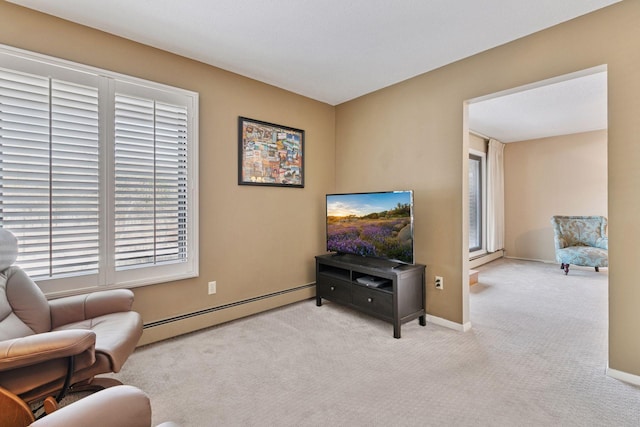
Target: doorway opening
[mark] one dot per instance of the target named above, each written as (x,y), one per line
(555,163)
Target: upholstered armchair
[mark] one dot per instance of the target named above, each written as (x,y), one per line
(581,240)
(50,347)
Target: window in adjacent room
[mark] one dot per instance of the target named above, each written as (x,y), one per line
(97,174)
(477,209)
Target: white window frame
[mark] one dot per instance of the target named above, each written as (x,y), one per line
(108,82)
(483,201)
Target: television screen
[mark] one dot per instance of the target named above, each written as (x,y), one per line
(371,224)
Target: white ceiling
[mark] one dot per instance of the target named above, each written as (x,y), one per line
(329,50)
(563,106)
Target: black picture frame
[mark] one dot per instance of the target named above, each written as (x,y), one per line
(270,154)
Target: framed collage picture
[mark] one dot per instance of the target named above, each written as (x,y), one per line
(270,154)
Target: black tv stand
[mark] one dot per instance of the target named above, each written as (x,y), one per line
(367,261)
(399,299)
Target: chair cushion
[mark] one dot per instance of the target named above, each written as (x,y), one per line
(583,255)
(116,334)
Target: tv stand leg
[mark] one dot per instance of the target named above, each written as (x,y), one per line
(423,320)
(396,330)
(318,301)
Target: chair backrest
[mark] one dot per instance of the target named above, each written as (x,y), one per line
(24,310)
(8,249)
(580,230)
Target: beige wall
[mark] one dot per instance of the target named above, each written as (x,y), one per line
(410,135)
(254,241)
(415,134)
(564,175)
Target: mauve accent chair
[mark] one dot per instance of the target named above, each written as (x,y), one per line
(581,240)
(48,348)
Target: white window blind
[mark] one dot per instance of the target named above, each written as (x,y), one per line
(150,180)
(97,174)
(49,162)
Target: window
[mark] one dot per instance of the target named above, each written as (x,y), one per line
(477,209)
(97,174)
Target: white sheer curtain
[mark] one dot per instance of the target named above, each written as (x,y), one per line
(495,196)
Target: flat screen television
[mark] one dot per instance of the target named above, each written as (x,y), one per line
(377,224)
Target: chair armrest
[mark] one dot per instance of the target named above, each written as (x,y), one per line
(81,307)
(602,243)
(33,349)
(123,405)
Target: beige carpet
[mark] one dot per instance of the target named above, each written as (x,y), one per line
(536,356)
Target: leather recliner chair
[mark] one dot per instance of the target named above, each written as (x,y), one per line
(50,347)
(121,406)
(118,406)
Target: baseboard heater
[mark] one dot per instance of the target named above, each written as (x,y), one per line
(224,307)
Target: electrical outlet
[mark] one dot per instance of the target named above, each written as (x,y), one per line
(439,282)
(212,287)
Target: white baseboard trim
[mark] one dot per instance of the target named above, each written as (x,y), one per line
(623,376)
(486,258)
(546,261)
(448,323)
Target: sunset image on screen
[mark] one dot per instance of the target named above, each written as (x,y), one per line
(372,224)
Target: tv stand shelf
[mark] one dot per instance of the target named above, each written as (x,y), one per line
(389,291)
